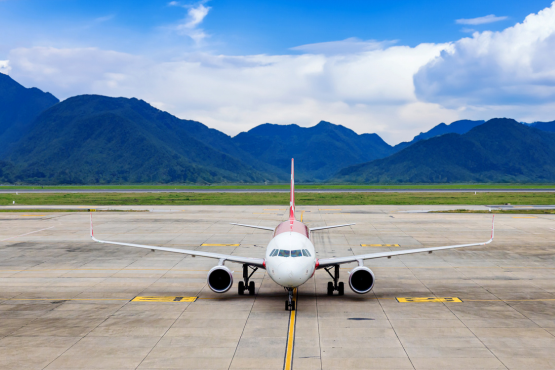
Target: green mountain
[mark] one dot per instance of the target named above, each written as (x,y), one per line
(96,139)
(544,126)
(19,106)
(500,150)
(457,127)
(319,151)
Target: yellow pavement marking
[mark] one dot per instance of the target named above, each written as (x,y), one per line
(428,299)
(524,217)
(164,299)
(380,245)
(291,335)
(219,245)
(329,209)
(302,214)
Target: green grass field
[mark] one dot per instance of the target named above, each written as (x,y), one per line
(286,186)
(98,199)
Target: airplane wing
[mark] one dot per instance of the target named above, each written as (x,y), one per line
(326,262)
(256,227)
(328,227)
(258,262)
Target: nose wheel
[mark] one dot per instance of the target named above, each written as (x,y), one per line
(245,285)
(290,303)
(335,285)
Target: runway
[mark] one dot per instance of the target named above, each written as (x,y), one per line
(84,191)
(69,303)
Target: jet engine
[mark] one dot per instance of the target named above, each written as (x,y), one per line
(220,279)
(361,280)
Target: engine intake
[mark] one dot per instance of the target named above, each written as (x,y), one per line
(220,279)
(361,280)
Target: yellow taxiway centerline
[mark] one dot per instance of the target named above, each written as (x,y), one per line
(291,335)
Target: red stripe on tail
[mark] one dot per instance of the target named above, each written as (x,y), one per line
(292,198)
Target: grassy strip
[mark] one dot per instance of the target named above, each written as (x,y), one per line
(105,199)
(284,186)
(509,211)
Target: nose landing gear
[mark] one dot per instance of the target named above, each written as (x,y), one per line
(290,303)
(335,285)
(245,285)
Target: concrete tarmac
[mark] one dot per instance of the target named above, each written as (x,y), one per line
(69,303)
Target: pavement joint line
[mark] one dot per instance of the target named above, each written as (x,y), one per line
(246,321)
(290,347)
(32,232)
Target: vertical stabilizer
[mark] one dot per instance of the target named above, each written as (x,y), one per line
(292,198)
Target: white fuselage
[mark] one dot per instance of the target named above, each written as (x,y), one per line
(295,261)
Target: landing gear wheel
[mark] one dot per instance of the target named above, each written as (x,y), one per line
(330,288)
(241,288)
(341,288)
(290,303)
(251,288)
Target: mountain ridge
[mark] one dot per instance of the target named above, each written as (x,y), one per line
(500,150)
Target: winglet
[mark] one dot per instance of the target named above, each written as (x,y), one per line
(92,233)
(292,197)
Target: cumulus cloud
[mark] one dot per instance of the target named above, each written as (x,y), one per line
(481,20)
(351,45)
(507,68)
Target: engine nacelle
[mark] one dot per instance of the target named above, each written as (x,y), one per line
(361,280)
(220,279)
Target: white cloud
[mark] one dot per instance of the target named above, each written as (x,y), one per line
(481,20)
(195,16)
(351,45)
(369,92)
(5,67)
(510,68)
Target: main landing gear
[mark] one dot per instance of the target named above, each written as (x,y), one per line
(245,285)
(290,303)
(335,285)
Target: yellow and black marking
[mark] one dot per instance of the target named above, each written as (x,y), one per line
(380,245)
(428,299)
(164,299)
(219,245)
(289,349)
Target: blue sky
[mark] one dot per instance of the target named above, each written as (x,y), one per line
(248,27)
(395,68)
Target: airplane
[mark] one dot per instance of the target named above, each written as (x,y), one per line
(290,258)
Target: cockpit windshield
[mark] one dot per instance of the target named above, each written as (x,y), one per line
(296,253)
(287,253)
(284,253)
